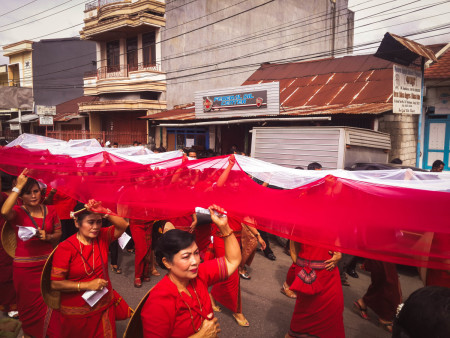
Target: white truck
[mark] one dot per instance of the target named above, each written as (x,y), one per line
(332,147)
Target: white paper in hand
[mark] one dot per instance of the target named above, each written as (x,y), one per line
(123,240)
(26,233)
(92,297)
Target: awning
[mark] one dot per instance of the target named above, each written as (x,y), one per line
(401,50)
(25,119)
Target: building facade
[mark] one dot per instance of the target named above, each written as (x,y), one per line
(210,44)
(129,80)
(52,69)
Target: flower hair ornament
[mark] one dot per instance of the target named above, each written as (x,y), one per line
(74,213)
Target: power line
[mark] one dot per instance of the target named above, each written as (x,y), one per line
(207,65)
(278,62)
(18,8)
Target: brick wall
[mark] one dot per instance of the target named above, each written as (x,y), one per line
(403,131)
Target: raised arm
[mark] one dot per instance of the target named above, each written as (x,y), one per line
(119,223)
(224,176)
(232,250)
(7,209)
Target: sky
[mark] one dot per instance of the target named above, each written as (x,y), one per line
(46,19)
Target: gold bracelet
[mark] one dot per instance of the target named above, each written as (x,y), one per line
(79,286)
(223,236)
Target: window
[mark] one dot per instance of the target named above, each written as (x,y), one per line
(149,49)
(179,138)
(113,56)
(132,56)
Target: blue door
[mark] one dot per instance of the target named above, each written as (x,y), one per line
(437,140)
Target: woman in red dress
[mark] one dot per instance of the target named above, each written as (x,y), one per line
(141,231)
(228,293)
(80,265)
(31,254)
(319,306)
(179,305)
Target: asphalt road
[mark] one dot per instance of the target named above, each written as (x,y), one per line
(268,311)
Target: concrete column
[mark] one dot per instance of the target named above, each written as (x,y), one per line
(140,50)
(123,51)
(158,48)
(94,122)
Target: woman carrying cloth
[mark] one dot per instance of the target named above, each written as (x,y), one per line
(34,245)
(80,265)
(319,306)
(179,305)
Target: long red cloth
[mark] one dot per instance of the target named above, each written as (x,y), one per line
(320,314)
(370,220)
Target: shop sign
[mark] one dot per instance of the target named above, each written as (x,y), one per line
(407,90)
(45,120)
(45,110)
(247,100)
(14,126)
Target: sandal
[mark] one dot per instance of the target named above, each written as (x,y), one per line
(137,283)
(116,269)
(216,308)
(288,292)
(360,310)
(241,322)
(385,325)
(155,273)
(146,279)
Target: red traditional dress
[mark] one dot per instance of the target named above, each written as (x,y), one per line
(7,294)
(169,313)
(141,231)
(384,294)
(64,205)
(228,293)
(78,319)
(319,306)
(29,261)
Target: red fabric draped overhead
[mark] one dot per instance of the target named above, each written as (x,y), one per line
(402,225)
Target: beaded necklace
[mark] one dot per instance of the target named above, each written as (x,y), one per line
(189,308)
(93,257)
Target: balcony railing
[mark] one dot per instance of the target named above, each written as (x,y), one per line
(112,71)
(143,66)
(121,70)
(123,138)
(99,3)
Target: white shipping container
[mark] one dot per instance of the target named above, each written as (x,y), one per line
(332,147)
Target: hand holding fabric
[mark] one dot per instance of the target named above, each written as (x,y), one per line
(22,179)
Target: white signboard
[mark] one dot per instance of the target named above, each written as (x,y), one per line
(45,120)
(407,89)
(46,110)
(14,126)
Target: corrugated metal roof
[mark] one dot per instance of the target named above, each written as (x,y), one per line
(360,84)
(401,50)
(441,68)
(68,110)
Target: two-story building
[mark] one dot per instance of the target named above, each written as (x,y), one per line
(48,71)
(128,81)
